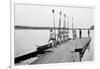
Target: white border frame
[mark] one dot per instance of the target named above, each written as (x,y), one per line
(12,21)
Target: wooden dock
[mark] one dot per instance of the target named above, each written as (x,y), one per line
(64,53)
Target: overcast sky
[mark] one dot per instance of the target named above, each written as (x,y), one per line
(34,15)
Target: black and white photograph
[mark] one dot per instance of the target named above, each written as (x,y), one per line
(48,34)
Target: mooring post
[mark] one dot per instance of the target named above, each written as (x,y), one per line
(88,33)
(80,33)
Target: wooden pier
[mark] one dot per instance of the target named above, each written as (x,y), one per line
(64,53)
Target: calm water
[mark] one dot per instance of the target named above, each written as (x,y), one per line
(26,40)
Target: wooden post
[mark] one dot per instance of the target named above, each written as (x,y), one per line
(80,33)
